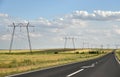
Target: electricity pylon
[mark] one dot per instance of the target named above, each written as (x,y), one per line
(66,38)
(26,25)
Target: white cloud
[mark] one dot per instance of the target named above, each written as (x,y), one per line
(117,31)
(96,15)
(80,23)
(5,37)
(41,21)
(19,36)
(3,15)
(35,35)
(4,19)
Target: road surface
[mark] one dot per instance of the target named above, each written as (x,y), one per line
(106,66)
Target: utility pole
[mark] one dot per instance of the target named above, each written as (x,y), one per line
(13,33)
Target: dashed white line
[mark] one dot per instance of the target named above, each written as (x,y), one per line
(74,73)
(88,66)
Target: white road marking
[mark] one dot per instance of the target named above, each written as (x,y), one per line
(74,73)
(117,59)
(88,66)
(83,67)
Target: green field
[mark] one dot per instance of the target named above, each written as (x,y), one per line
(21,60)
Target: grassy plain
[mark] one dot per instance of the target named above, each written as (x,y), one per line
(118,53)
(21,60)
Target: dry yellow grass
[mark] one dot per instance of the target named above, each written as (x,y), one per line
(88,50)
(78,50)
(118,53)
(19,51)
(14,63)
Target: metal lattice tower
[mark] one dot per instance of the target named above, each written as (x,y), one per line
(26,25)
(66,38)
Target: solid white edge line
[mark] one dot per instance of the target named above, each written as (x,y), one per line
(74,73)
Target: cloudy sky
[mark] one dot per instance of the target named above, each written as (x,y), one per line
(94,22)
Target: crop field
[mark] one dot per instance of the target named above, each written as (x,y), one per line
(21,60)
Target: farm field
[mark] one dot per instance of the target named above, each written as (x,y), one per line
(21,60)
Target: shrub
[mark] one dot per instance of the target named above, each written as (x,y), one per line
(55,52)
(93,52)
(82,53)
(77,52)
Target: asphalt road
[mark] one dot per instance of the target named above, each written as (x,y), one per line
(106,66)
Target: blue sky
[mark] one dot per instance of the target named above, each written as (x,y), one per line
(32,9)
(93,21)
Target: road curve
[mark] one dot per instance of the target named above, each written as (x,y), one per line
(106,66)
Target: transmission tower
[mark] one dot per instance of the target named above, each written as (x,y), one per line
(26,25)
(66,38)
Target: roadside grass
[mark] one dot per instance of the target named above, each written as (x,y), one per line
(118,53)
(88,50)
(23,61)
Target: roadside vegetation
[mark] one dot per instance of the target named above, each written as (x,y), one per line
(118,53)
(22,60)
